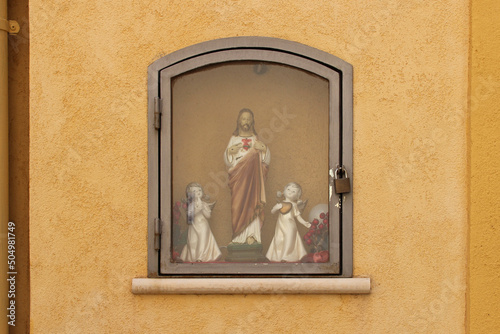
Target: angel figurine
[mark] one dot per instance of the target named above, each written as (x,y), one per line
(201,245)
(287,245)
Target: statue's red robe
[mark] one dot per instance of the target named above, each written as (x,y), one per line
(246,181)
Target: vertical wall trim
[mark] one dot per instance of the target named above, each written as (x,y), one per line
(4,164)
(469,174)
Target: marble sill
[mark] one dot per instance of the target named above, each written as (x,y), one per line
(159,286)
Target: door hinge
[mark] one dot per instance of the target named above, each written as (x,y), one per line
(11,26)
(157,115)
(158,226)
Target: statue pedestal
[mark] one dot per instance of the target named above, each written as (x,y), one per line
(245,253)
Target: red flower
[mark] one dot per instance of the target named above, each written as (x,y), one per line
(324,255)
(175,255)
(321,256)
(321,226)
(317,258)
(322,215)
(178,204)
(313,227)
(308,241)
(184,205)
(315,222)
(325,221)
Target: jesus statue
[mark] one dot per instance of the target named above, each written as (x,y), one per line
(247,159)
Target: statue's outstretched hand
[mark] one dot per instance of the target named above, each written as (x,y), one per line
(303,221)
(260,146)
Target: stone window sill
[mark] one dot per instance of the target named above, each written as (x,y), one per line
(159,286)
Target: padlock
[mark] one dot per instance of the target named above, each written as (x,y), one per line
(343,184)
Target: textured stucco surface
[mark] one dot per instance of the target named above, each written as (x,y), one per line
(88,163)
(485,168)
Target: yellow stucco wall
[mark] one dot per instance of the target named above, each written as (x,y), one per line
(88,163)
(485,168)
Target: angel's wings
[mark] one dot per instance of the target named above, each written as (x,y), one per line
(301,205)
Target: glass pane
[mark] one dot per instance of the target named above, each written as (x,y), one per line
(223,171)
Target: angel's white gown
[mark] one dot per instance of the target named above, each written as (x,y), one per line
(201,245)
(287,244)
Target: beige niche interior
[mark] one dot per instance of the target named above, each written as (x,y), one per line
(290,106)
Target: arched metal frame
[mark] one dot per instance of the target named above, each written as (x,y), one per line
(160,73)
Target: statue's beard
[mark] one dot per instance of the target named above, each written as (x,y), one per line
(245,127)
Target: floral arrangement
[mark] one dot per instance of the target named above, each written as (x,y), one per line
(316,240)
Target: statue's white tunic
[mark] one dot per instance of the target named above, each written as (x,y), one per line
(201,244)
(287,244)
